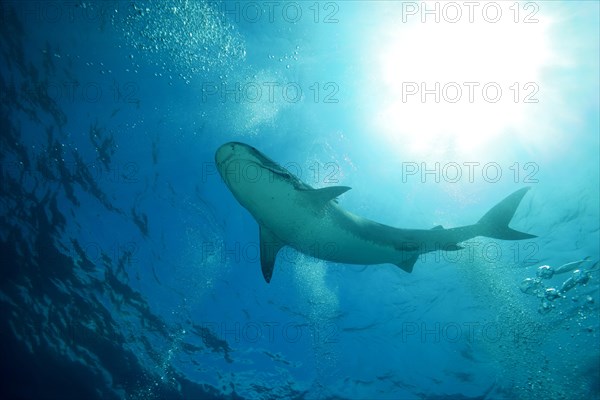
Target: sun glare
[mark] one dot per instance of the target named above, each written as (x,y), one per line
(454,87)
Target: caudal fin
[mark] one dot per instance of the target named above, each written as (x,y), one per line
(495,222)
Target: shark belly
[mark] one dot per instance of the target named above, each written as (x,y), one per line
(320,235)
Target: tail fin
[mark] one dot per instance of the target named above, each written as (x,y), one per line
(495,222)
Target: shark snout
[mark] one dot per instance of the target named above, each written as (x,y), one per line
(229,154)
(233,150)
(224,153)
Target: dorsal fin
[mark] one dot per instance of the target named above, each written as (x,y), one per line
(437,228)
(325,195)
(269,247)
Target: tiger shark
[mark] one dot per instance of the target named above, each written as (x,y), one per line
(290,212)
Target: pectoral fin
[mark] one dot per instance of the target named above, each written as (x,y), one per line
(452,247)
(325,195)
(408,264)
(269,247)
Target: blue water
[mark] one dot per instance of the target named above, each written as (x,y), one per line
(128,269)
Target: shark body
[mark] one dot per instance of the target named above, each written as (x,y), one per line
(290,212)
